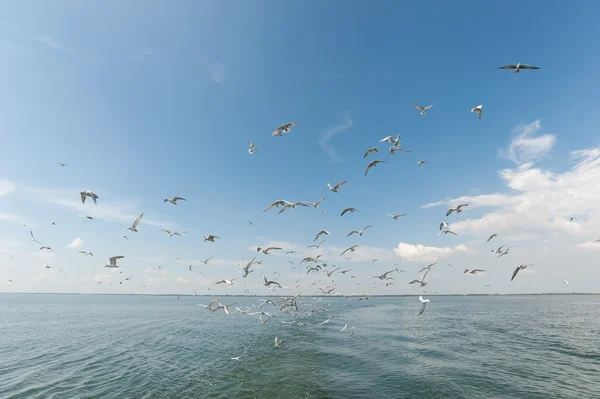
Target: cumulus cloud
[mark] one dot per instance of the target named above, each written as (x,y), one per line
(526,146)
(76,243)
(325,139)
(419,252)
(595,245)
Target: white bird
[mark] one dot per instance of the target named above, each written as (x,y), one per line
(285,128)
(492,236)
(396,216)
(373,163)
(395,142)
(266,251)
(87,217)
(125,237)
(448,232)
(458,209)
(424,302)
(337,186)
(421,162)
(519,268)
(316,204)
(351,249)
(45,247)
(46,266)
(112,262)
(277,342)
(171,234)
(277,204)
(348,210)
(478,109)
(396,148)
(133,227)
(359,232)
(342,330)
(518,67)
(370,150)
(423,109)
(292,205)
(474,271)
(9,281)
(62,164)
(85,253)
(252,148)
(225,281)
(235,358)
(33,238)
(206,260)
(268,283)
(442,226)
(320,233)
(210,238)
(88,193)
(566,282)
(174,200)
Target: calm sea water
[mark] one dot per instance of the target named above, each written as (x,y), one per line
(94,346)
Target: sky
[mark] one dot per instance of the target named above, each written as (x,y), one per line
(149,100)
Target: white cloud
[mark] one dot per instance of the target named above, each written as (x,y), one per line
(218,73)
(76,243)
(50,43)
(419,252)
(595,245)
(328,135)
(527,148)
(181,280)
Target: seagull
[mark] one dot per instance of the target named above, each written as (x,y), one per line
(520,267)
(320,233)
(342,330)
(492,236)
(33,238)
(206,260)
(384,276)
(277,342)
(351,249)
(9,281)
(62,164)
(224,281)
(499,250)
(247,270)
(504,253)
(474,271)
(360,232)
(292,205)
(125,237)
(337,186)
(395,217)
(112,262)
(314,246)
(277,204)
(427,267)
(373,163)
(171,234)
(133,227)
(477,109)
(370,150)
(391,140)
(316,204)
(252,148)
(448,232)
(174,200)
(518,67)
(268,283)
(458,209)
(423,109)
(46,266)
(396,148)
(571,219)
(285,128)
(566,282)
(45,247)
(422,281)
(348,210)
(88,193)
(424,302)
(87,217)
(266,251)
(210,238)
(421,162)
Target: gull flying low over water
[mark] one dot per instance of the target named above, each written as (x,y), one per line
(252,149)
(174,200)
(492,236)
(360,232)
(351,249)
(112,262)
(373,163)
(519,268)
(518,67)
(277,342)
(424,304)
(396,216)
(458,209)
(478,109)
(421,162)
(348,210)
(370,150)
(134,226)
(211,238)
(285,128)
(337,186)
(423,109)
(88,193)
(320,233)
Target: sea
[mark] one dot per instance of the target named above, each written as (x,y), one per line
(128,346)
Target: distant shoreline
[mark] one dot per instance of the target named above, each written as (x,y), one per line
(316,295)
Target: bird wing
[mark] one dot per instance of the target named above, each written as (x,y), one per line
(515,273)
(352,232)
(388,138)
(82,194)
(509,66)
(340,184)
(345,210)
(443,224)
(492,236)
(137,221)
(418,107)
(179,199)
(113,260)
(423,306)
(450,211)
(525,66)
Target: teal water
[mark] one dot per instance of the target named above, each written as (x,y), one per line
(95,346)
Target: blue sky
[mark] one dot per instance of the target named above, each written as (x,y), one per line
(150,100)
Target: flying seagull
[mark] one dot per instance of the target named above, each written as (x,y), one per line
(421,162)
(395,142)
(316,204)
(337,186)
(33,238)
(267,251)
(320,233)
(458,209)
(396,148)
(210,238)
(518,67)
(268,283)
(370,150)
(423,109)
(360,232)
(277,204)
(252,148)
(45,247)
(351,249)
(125,237)
(112,262)
(62,164)
(225,281)
(277,342)
(206,260)
(133,227)
(292,205)
(171,234)
(474,271)
(492,236)
(424,304)
(520,267)
(247,270)
(88,193)
(46,266)
(348,210)
(443,225)
(477,109)
(384,276)
(85,253)
(174,200)
(373,163)
(285,128)
(87,217)
(396,216)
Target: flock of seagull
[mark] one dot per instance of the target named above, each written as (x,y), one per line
(313,264)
